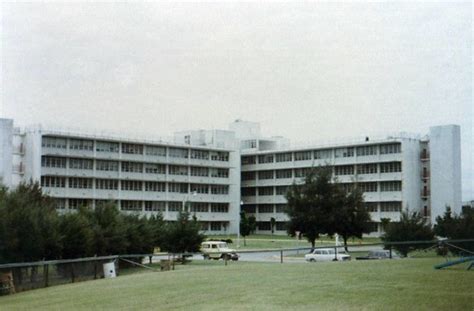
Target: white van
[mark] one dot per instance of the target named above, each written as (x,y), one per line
(217,250)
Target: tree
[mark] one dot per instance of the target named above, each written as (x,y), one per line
(77,235)
(247,225)
(352,218)
(29,225)
(183,235)
(311,205)
(457,227)
(411,227)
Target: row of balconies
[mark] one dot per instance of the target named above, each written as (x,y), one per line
(340,178)
(132,157)
(280,199)
(131,176)
(321,162)
(135,195)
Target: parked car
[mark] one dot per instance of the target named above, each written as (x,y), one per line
(379,254)
(218,250)
(326,254)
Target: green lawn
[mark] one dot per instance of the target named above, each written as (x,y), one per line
(407,284)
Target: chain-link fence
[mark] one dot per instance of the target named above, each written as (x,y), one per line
(17,277)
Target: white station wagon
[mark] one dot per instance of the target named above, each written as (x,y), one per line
(326,254)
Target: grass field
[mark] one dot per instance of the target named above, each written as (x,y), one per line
(407,284)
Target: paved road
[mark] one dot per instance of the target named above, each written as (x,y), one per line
(275,256)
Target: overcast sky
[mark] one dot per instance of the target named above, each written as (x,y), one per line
(306,71)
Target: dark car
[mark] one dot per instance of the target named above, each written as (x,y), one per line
(379,254)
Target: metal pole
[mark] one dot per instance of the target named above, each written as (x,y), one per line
(335,253)
(390,252)
(281,256)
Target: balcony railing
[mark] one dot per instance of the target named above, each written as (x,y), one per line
(424,155)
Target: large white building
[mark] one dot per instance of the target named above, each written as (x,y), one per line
(219,172)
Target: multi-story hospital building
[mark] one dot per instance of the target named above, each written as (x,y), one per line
(218,173)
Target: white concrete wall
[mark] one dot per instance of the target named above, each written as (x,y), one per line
(445,168)
(411,175)
(6,151)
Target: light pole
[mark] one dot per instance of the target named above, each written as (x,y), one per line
(238,225)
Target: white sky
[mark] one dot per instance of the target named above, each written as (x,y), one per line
(306,71)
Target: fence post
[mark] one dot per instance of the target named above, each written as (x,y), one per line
(390,252)
(335,253)
(46,275)
(73,277)
(150,258)
(281,256)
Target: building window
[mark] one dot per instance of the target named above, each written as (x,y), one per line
(283,157)
(199,154)
(80,183)
(344,152)
(126,205)
(178,188)
(373,227)
(60,203)
(132,148)
(367,186)
(265,209)
(281,190)
(199,188)
(344,170)
(247,176)
(283,174)
(151,168)
(303,155)
(199,171)
(265,175)
(53,142)
(219,207)
(246,160)
(76,203)
(81,144)
(265,191)
(390,206)
(371,207)
(390,148)
(198,207)
(220,172)
(366,169)
(249,209)
(53,182)
(302,172)
(132,167)
(265,158)
(215,226)
(366,151)
(322,154)
(155,151)
(154,186)
(53,162)
(155,206)
(178,170)
(175,206)
(220,156)
(245,192)
(280,226)
(106,146)
(390,167)
(111,166)
(81,164)
(178,153)
(264,226)
(219,189)
(131,185)
(280,208)
(388,186)
(106,184)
